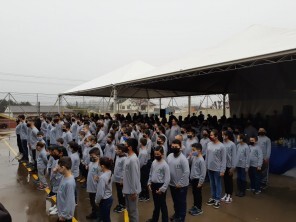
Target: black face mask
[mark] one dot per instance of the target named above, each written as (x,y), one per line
(64,130)
(189,136)
(176,151)
(236,132)
(261,133)
(157,133)
(252,143)
(182,132)
(56,157)
(158,158)
(92,159)
(205,135)
(158,143)
(109,142)
(28,125)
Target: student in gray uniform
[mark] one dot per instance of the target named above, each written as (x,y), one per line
(73,129)
(144,169)
(242,164)
(174,131)
(43,127)
(256,160)
(131,180)
(204,142)
(159,179)
(104,189)
(67,136)
(118,176)
(32,141)
(230,165)
(24,137)
(216,165)
(265,145)
(109,150)
(191,139)
(197,177)
(73,147)
(19,141)
(94,171)
(41,165)
(101,136)
(65,194)
(179,171)
(49,167)
(48,131)
(56,177)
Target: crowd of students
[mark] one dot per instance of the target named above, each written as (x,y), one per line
(140,155)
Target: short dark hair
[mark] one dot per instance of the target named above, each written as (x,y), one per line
(67,125)
(143,141)
(160,149)
(40,144)
(92,138)
(40,133)
(22,117)
(74,146)
(95,151)
(162,138)
(66,162)
(121,147)
(197,146)
(177,142)
(133,143)
(60,140)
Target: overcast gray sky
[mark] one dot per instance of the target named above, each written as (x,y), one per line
(79,40)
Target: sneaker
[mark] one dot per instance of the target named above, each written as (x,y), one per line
(116,208)
(82,180)
(91,216)
(228,199)
(264,186)
(41,188)
(120,209)
(54,212)
(52,208)
(145,199)
(191,209)
(142,199)
(250,189)
(240,194)
(19,157)
(211,202)
(50,195)
(257,192)
(196,212)
(216,205)
(224,198)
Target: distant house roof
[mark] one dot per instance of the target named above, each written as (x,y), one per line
(34,109)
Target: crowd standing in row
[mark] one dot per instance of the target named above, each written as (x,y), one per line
(141,154)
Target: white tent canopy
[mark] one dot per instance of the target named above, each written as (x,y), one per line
(184,77)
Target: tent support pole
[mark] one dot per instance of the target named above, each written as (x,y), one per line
(189,105)
(159,105)
(114,100)
(224,102)
(59,104)
(148,107)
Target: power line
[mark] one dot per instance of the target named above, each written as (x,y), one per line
(39,77)
(34,82)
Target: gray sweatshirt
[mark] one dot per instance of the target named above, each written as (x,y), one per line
(175,130)
(66,198)
(216,157)
(55,178)
(93,170)
(243,155)
(50,162)
(53,135)
(188,146)
(204,143)
(33,137)
(198,168)
(42,159)
(118,169)
(131,175)
(109,151)
(43,127)
(230,154)
(67,137)
(75,164)
(18,129)
(24,131)
(73,130)
(48,131)
(179,170)
(101,138)
(143,156)
(160,173)
(256,156)
(265,144)
(104,187)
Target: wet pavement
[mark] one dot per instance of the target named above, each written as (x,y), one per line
(26,204)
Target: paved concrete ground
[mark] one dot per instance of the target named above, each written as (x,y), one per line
(27,204)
